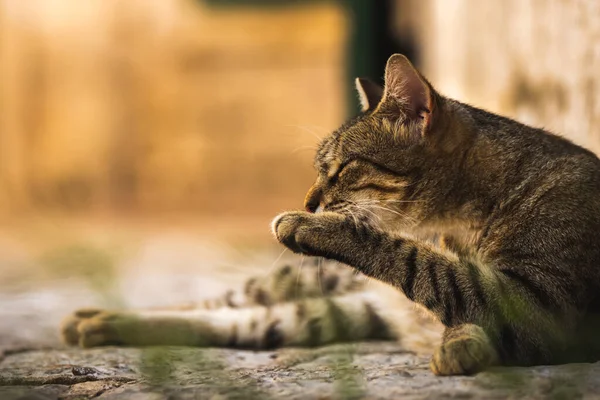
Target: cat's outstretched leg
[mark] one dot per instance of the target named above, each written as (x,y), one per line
(307,322)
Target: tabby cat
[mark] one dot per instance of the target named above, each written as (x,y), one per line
(488,224)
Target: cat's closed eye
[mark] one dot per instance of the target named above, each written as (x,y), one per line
(342,171)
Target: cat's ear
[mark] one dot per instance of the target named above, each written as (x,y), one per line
(369,93)
(407,93)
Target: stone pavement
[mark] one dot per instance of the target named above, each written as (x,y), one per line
(368,370)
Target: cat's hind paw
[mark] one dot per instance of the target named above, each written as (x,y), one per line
(92,327)
(69,326)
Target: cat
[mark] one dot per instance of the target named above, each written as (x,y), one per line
(487,224)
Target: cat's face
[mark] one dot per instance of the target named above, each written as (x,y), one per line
(384,167)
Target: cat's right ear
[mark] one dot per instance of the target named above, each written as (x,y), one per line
(369,93)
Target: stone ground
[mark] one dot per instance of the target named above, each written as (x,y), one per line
(37,291)
(370,370)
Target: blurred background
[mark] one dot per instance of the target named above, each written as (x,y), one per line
(145,145)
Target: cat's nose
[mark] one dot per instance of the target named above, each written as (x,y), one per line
(313,207)
(313,199)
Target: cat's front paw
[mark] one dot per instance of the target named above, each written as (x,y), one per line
(290,229)
(305,233)
(467,352)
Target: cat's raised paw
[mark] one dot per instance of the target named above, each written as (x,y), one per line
(289,229)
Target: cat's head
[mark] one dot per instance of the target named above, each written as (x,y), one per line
(392,163)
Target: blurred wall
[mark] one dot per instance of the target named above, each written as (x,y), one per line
(164,105)
(171,105)
(535,60)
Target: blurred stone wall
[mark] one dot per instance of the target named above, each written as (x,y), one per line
(164,105)
(535,60)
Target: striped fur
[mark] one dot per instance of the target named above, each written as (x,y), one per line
(518,280)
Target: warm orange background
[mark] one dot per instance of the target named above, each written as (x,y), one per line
(148,108)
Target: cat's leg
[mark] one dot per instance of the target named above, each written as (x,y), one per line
(523,324)
(288,282)
(70,324)
(312,277)
(308,322)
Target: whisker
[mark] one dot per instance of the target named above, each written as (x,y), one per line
(354,218)
(369,205)
(359,207)
(370,217)
(298,276)
(319,127)
(389,210)
(306,129)
(303,148)
(319,275)
(401,201)
(371,201)
(275,262)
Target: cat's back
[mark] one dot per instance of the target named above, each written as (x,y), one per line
(526,155)
(513,136)
(547,192)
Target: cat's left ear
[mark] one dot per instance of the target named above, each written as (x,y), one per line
(369,93)
(407,94)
